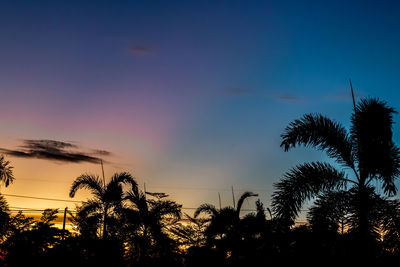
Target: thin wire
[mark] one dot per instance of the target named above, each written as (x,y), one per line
(25,208)
(42,198)
(74,201)
(156,186)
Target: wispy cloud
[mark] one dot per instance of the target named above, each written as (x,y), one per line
(287,98)
(55,151)
(140,50)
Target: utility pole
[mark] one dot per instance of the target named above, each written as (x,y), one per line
(105,215)
(219,198)
(102,169)
(65,217)
(233,198)
(352,95)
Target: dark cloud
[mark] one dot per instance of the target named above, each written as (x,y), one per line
(287,98)
(140,50)
(54,150)
(101,152)
(239,91)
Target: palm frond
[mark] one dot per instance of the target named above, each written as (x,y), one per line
(3,204)
(322,133)
(157,195)
(89,207)
(371,132)
(390,170)
(123,178)
(165,208)
(304,182)
(138,199)
(87,181)
(242,198)
(6,171)
(206,208)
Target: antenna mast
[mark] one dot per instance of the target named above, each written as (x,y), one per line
(102,170)
(352,95)
(233,198)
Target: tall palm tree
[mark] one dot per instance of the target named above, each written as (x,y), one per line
(213,211)
(108,197)
(224,226)
(6,173)
(367,150)
(148,217)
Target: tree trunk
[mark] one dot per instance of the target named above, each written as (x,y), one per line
(365,239)
(363,212)
(105,224)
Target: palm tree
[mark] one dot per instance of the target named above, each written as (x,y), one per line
(108,197)
(190,234)
(6,173)
(224,226)
(6,177)
(367,150)
(148,219)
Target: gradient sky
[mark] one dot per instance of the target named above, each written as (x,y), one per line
(189,96)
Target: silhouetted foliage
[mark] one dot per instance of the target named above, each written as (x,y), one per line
(368,150)
(226,230)
(107,201)
(29,242)
(6,172)
(148,217)
(4,218)
(190,233)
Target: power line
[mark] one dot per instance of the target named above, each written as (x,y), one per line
(43,198)
(43,180)
(75,201)
(203,188)
(34,209)
(156,186)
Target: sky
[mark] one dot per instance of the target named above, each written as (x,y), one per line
(189,96)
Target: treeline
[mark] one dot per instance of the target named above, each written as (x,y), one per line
(355,216)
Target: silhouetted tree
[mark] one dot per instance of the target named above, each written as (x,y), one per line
(148,217)
(30,242)
(368,150)
(223,230)
(6,173)
(4,218)
(390,221)
(191,233)
(88,224)
(331,212)
(108,197)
